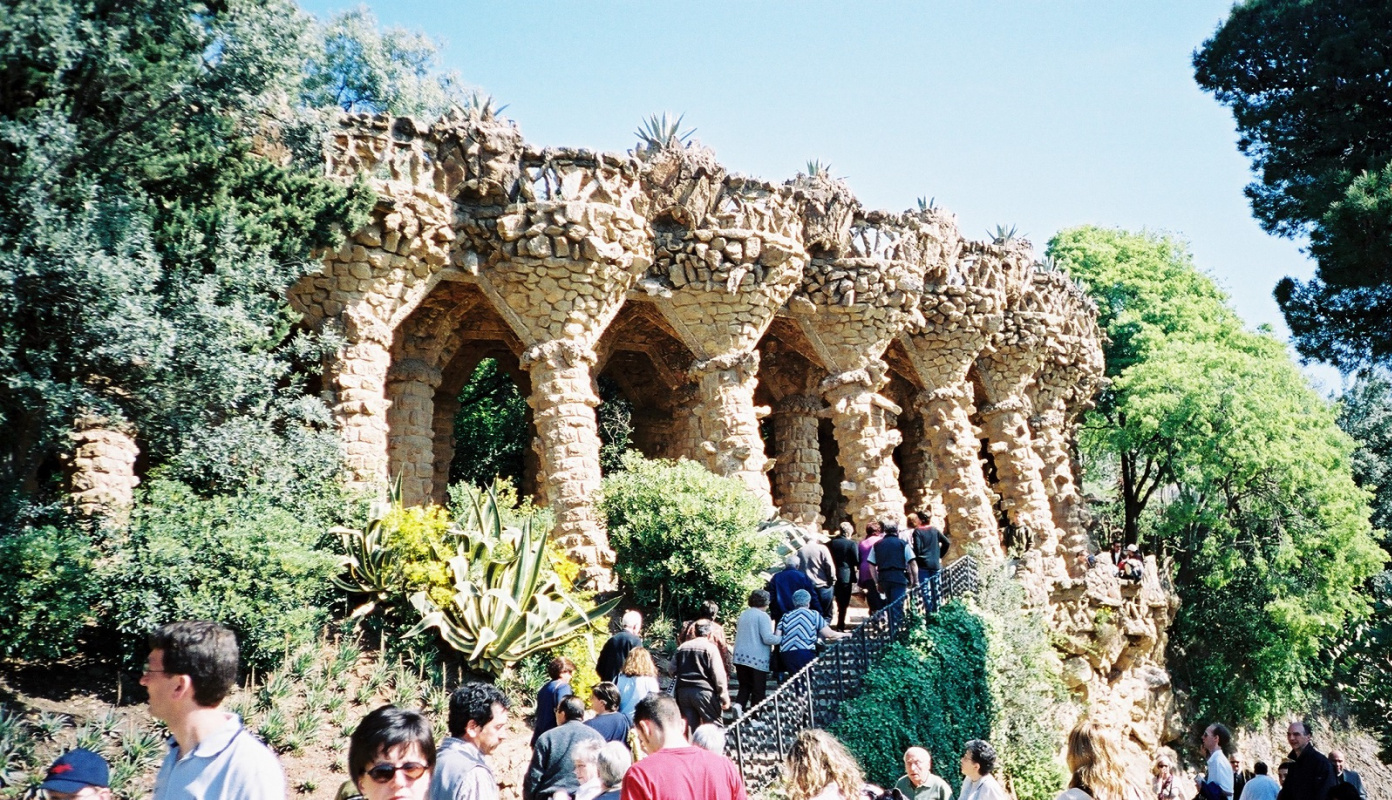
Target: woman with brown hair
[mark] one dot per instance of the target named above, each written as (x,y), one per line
(1094,758)
(821,768)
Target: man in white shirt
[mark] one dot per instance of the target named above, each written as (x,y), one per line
(1260,786)
(1217,740)
(191,668)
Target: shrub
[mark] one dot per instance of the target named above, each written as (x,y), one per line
(929,691)
(245,560)
(46,591)
(1033,709)
(682,535)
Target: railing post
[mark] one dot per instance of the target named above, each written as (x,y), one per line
(811,699)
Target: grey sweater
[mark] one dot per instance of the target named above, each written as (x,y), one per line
(461,773)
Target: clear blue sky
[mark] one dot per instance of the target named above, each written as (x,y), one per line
(1038,114)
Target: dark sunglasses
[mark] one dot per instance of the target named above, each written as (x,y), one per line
(383,773)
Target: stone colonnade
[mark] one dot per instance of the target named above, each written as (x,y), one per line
(717,301)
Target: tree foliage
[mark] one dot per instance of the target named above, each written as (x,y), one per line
(1310,86)
(145,242)
(1225,458)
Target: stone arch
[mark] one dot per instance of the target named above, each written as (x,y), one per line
(641,353)
(434,351)
(788,379)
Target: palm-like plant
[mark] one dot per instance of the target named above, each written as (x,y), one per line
(657,132)
(507,603)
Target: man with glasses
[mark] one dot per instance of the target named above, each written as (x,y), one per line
(192,667)
(77,775)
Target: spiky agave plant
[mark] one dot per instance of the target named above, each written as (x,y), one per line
(928,204)
(657,132)
(507,603)
(1003,235)
(816,168)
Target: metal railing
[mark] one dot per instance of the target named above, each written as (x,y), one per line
(758,742)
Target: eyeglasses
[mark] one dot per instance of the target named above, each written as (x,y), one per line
(384,773)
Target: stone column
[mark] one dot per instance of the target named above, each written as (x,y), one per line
(798,474)
(1006,369)
(411,387)
(851,307)
(963,308)
(955,449)
(728,417)
(444,410)
(567,444)
(564,262)
(100,469)
(863,421)
(919,475)
(719,284)
(356,382)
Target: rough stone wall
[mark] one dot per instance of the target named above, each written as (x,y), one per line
(736,299)
(100,468)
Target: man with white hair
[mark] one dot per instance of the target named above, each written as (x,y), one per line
(616,650)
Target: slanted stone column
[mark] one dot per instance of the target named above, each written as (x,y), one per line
(798,476)
(411,387)
(1064,387)
(719,284)
(567,444)
(100,468)
(963,306)
(376,277)
(851,306)
(567,251)
(729,420)
(918,474)
(1006,368)
(863,421)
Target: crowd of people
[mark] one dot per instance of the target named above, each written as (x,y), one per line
(631,741)
(1305,774)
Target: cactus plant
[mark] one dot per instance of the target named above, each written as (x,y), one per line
(657,132)
(507,603)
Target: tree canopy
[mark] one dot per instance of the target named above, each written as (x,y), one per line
(1224,459)
(1310,86)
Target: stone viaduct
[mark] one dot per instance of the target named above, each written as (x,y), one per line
(835,360)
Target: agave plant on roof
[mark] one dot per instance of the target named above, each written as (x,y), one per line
(507,604)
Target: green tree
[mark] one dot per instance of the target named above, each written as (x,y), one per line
(490,428)
(1309,86)
(145,244)
(356,66)
(1268,531)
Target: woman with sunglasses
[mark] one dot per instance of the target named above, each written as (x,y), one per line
(391,755)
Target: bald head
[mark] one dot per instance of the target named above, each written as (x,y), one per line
(1336,757)
(918,765)
(632,621)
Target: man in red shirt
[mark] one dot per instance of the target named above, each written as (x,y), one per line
(675,770)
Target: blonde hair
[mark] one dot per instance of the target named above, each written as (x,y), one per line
(639,663)
(817,760)
(1094,758)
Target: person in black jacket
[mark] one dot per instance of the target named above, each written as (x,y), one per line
(845,556)
(1311,775)
(616,650)
(929,546)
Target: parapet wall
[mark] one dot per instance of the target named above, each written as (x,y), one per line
(903,365)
